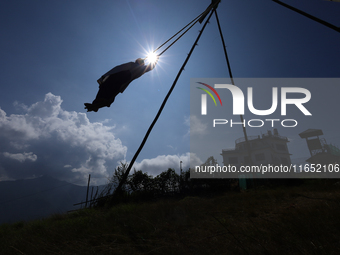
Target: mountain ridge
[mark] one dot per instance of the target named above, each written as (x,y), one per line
(29,199)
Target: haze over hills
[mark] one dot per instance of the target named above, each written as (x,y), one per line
(23,200)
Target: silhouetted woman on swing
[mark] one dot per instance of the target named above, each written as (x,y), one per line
(116,80)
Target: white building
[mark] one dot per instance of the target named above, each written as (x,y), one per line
(269,148)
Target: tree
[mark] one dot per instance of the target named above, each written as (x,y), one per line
(167,182)
(140,181)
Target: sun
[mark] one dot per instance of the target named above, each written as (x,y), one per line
(151,58)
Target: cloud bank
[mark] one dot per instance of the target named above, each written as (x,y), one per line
(162,163)
(46,139)
(21,157)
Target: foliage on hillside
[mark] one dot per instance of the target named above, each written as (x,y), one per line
(141,186)
(282,220)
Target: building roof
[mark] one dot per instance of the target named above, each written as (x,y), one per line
(311,132)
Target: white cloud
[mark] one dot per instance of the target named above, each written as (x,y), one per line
(21,157)
(61,143)
(195,160)
(162,163)
(196,127)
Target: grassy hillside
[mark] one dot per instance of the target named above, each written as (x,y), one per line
(284,220)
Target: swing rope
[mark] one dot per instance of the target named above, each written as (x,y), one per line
(195,19)
(126,174)
(178,38)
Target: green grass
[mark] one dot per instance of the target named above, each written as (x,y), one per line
(285,220)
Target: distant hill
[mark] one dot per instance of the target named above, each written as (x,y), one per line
(24,200)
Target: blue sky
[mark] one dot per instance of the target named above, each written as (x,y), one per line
(52,53)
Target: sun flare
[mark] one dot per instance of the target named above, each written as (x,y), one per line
(151,58)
